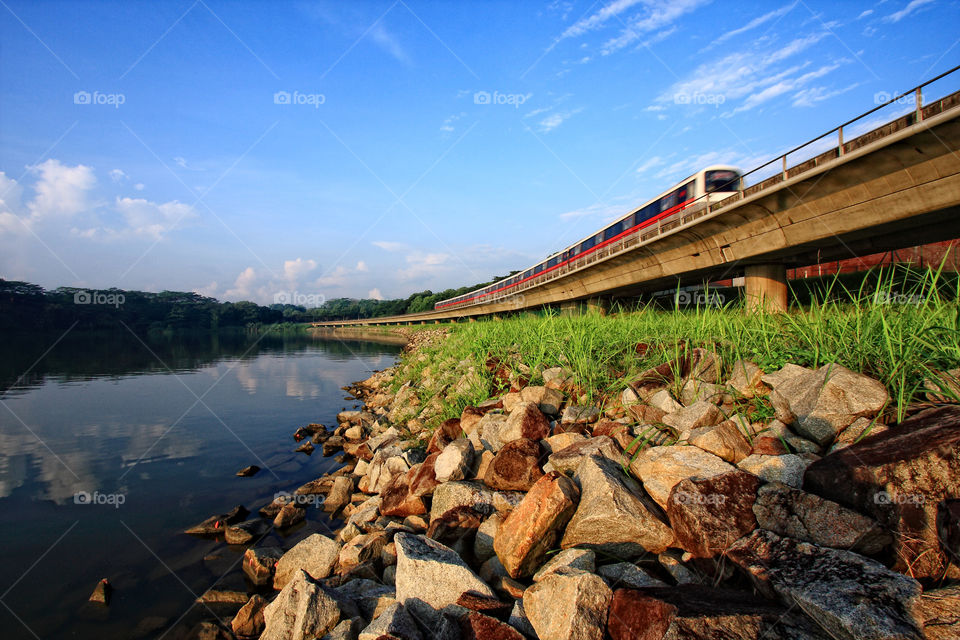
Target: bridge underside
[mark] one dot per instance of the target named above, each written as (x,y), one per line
(900,191)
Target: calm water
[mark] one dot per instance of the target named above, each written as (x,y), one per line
(154,430)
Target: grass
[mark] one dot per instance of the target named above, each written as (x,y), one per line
(900,326)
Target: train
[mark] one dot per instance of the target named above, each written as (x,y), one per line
(707,186)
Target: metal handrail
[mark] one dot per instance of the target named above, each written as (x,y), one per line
(666,225)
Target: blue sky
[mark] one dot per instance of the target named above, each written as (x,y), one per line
(373,149)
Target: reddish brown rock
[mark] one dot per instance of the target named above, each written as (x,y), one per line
(477,626)
(470,418)
(484,603)
(899,478)
(358,450)
(397,499)
(525,421)
(536,524)
(645,414)
(940,612)
(424,479)
(443,435)
(769,446)
(516,467)
(453,526)
(708,515)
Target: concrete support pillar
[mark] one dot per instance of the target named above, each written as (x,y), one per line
(569,308)
(598,305)
(765,286)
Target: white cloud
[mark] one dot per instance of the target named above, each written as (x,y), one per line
(60,190)
(387,245)
(785,86)
(294,269)
(374,294)
(117,175)
(149,218)
(362,267)
(655,161)
(389,43)
(756,22)
(906,11)
(866,13)
(554,120)
(243,285)
(139,186)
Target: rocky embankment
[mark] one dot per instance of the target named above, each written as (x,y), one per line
(709,500)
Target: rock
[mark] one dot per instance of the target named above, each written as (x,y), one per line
(694,391)
(247,472)
(516,467)
(398,499)
(289,515)
(456,528)
(725,441)
(245,532)
(784,375)
(346,630)
(899,478)
(939,610)
(477,626)
(470,418)
(424,479)
(747,379)
(332,444)
(525,421)
(826,401)
(709,514)
(249,622)
(101,593)
(693,611)
(394,623)
(208,631)
(303,610)
(259,564)
(306,447)
(568,460)
(561,441)
(536,524)
(384,468)
(353,433)
(370,597)
(316,554)
(624,574)
(447,432)
(804,516)
(861,428)
(681,574)
(511,400)
(485,604)
(661,468)
(786,469)
(483,463)
(489,430)
(388,437)
(486,534)
(339,495)
(611,516)
(580,414)
(461,494)
(665,402)
(645,414)
(547,400)
(506,501)
(580,559)
(944,386)
(848,595)
(431,576)
(568,606)
(361,549)
(699,414)
(214,525)
(455,461)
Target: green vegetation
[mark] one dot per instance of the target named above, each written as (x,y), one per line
(900,327)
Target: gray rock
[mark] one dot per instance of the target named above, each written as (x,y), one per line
(519,621)
(851,597)
(797,514)
(784,375)
(489,430)
(625,575)
(568,606)
(315,554)
(455,461)
(581,559)
(346,630)
(699,414)
(339,495)
(611,516)
(395,622)
(370,598)
(661,468)
(450,495)
(580,414)
(301,611)
(483,543)
(567,460)
(673,565)
(389,436)
(786,469)
(664,401)
(246,532)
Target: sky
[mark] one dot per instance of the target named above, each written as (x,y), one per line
(285,151)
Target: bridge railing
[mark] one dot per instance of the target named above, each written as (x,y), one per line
(699,209)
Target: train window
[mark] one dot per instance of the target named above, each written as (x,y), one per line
(552,262)
(613,230)
(587,244)
(538,268)
(721,181)
(527,273)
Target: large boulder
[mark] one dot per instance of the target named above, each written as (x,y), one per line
(249,623)
(848,595)
(568,606)
(708,515)
(535,525)
(567,460)
(899,478)
(581,559)
(661,468)
(339,495)
(397,498)
(786,469)
(259,564)
(316,554)
(826,401)
(303,610)
(455,461)
(431,576)
(450,495)
(516,467)
(525,421)
(611,516)
(797,514)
